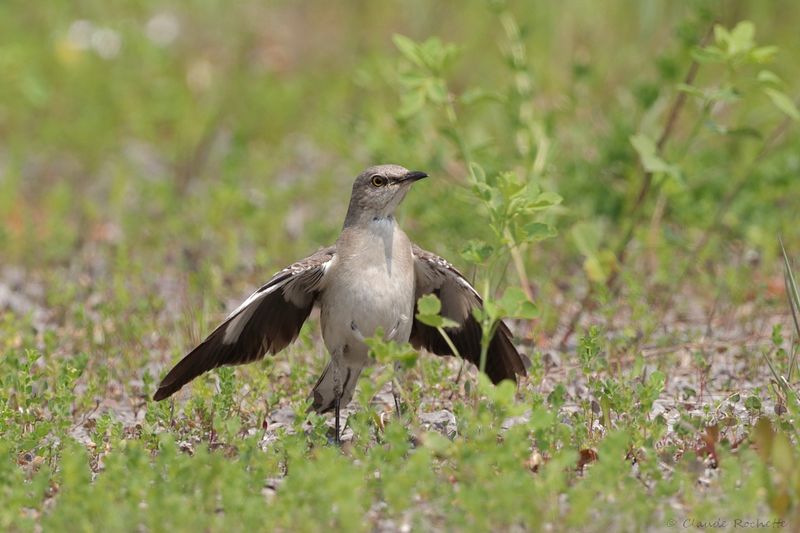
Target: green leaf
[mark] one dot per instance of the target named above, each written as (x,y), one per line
(763,54)
(741,38)
(594,269)
(479,94)
(736,47)
(413,80)
(428,308)
(557,397)
(656,381)
(429,305)
(515,304)
(725,93)
(409,49)
(509,184)
(435,442)
(691,90)
(501,396)
(406,355)
(411,103)
(721,34)
(538,231)
(477,251)
(478,172)
(436,55)
(482,191)
(599,265)
(783,102)
(437,91)
(544,200)
(753,403)
(389,351)
(709,54)
(647,150)
(767,76)
(587,237)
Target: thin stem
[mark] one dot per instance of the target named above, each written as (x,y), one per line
(519,266)
(449,341)
(647,178)
(726,202)
(487,334)
(452,118)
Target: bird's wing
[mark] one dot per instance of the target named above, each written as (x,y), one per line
(267,321)
(435,275)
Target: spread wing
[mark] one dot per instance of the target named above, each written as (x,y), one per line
(267,321)
(435,275)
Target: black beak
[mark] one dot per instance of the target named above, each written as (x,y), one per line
(414,175)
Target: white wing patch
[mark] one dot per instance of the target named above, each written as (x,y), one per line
(242,315)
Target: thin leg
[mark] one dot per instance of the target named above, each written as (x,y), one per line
(458,379)
(397,368)
(337,391)
(397,409)
(337,439)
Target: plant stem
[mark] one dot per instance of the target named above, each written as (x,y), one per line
(449,341)
(647,179)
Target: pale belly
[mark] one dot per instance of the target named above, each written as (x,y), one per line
(378,293)
(351,313)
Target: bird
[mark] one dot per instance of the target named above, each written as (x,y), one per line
(369,279)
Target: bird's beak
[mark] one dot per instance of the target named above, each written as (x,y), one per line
(414,175)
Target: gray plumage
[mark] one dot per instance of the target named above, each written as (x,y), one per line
(370,278)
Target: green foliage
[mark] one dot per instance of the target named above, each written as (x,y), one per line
(428,308)
(160,161)
(514,206)
(590,352)
(648,154)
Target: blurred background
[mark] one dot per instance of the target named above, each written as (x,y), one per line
(629,165)
(158,159)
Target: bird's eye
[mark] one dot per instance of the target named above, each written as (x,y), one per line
(378,181)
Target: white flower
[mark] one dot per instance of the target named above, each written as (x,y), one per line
(162,29)
(79,34)
(106,42)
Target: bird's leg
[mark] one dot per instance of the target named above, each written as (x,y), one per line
(458,379)
(395,388)
(337,439)
(337,392)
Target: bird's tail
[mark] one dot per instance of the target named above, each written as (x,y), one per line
(323,394)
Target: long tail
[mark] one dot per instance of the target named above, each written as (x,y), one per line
(323,392)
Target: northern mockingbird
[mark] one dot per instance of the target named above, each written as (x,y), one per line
(370,278)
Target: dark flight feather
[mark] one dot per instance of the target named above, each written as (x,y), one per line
(268,321)
(437,276)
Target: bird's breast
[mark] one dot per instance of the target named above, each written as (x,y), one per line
(371,286)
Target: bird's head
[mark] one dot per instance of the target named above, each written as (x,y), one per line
(378,191)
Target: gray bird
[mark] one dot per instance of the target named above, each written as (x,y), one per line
(370,278)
